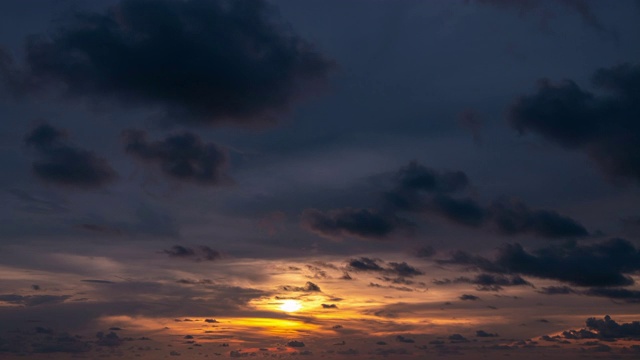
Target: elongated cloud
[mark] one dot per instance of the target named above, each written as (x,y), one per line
(605,264)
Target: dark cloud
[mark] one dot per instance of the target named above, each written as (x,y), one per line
(62,163)
(365,264)
(468,297)
(514,217)
(606,263)
(423,190)
(349,222)
(199,253)
(605,329)
(198,61)
(329,306)
(417,177)
(33,300)
(419,189)
(487,282)
(556,290)
(183,157)
(604,126)
(295,343)
(630,296)
(545,11)
(308,287)
(403,339)
(401,270)
(458,338)
(482,333)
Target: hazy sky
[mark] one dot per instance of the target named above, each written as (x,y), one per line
(336,179)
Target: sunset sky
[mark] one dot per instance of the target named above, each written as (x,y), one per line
(320,179)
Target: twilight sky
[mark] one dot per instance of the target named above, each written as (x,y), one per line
(320,179)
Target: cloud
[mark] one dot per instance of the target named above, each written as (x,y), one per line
(605,329)
(329,306)
(199,253)
(33,300)
(62,163)
(308,287)
(556,290)
(403,339)
(401,270)
(604,126)
(516,218)
(602,264)
(468,297)
(482,333)
(418,189)
(183,157)
(349,222)
(295,343)
(486,282)
(630,296)
(198,61)
(423,190)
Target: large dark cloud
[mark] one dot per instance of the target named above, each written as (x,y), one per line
(62,163)
(349,222)
(604,125)
(183,157)
(604,264)
(200,61)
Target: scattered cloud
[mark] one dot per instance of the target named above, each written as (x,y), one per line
(62,163)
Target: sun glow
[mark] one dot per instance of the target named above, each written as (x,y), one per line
(290,306)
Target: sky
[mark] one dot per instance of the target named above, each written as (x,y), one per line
(320,179)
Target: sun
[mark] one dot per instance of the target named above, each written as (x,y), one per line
(290,306)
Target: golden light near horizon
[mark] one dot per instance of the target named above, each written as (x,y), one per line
(290,306)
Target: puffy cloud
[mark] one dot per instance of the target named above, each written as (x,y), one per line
(183,157)
(605,329)
(603,126)
(360,223)
(62,163)
(199,61)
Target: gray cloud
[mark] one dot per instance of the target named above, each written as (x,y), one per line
(62,163)
(183,157)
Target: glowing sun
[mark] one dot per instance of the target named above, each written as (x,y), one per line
(290,306)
